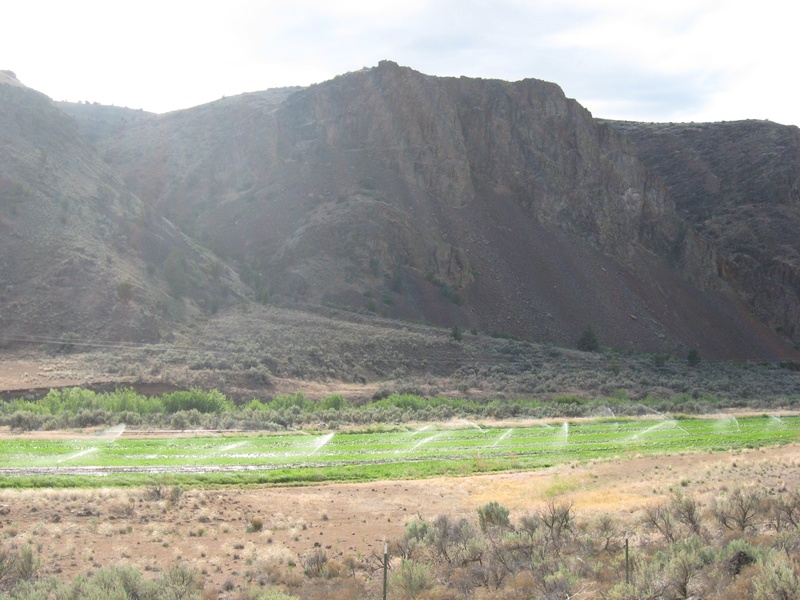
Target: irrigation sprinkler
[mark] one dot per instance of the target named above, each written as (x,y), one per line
(565,433)
(78,454)
(422,441)
(320,442)
(421,429)
(113,433)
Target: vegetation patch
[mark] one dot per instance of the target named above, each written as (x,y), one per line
(112,458)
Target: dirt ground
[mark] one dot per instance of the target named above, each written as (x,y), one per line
(34,373)
(228,533)
(38,374)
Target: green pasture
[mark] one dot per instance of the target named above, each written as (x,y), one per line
(112,458)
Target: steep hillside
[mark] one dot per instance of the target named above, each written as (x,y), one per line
(98,122)
(82,258)
(738,183)
(487,204)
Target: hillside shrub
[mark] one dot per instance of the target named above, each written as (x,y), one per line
(196,399)
(18,563)
(125,291)
(776,579)
(588,340)
(296,402)
(113,583)
(492,515)
(412,578)
(175,274)
(333,402)
(547,556)
(447,290)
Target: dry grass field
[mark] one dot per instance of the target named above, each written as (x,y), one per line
(244,538)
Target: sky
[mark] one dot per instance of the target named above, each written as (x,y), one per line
(640,60)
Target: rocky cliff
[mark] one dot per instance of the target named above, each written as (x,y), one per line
(738,184)
(491,205)
(495,206)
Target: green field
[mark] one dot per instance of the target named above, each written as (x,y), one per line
(111,458)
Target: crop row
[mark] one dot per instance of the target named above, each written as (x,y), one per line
(525,445)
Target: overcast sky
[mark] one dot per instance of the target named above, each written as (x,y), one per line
(673,60)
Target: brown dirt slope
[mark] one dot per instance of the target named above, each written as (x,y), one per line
(82,258)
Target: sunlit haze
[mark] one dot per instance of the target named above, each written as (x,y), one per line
(697,60)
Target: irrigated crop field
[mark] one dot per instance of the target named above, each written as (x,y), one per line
(155,505)
(119,457)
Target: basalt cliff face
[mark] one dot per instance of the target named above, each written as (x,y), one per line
(496,206)
(738,184)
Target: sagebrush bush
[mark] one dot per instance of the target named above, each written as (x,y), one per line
(552,554)
(491,515)
(256,525)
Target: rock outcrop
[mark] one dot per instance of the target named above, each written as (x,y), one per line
(496,206)
(738,185)
(493,205)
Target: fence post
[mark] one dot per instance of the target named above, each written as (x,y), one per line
(627,563)
(385,566)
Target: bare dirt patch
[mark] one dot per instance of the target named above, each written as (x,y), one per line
(38,372)
(217,531)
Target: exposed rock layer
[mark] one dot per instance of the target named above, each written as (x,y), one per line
(498,206)
(738,184)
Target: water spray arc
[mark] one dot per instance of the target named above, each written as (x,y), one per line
(106,436)
(502,437)
(320,442)
(423,441)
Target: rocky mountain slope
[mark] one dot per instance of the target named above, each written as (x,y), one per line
(495,206)
(738,184)
(492,205)
(82,257)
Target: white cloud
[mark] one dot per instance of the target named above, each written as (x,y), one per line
(735,57)
(677,60)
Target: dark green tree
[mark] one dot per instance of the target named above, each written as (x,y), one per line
(588,340)
(175,273)
(693,358)
(125,291)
